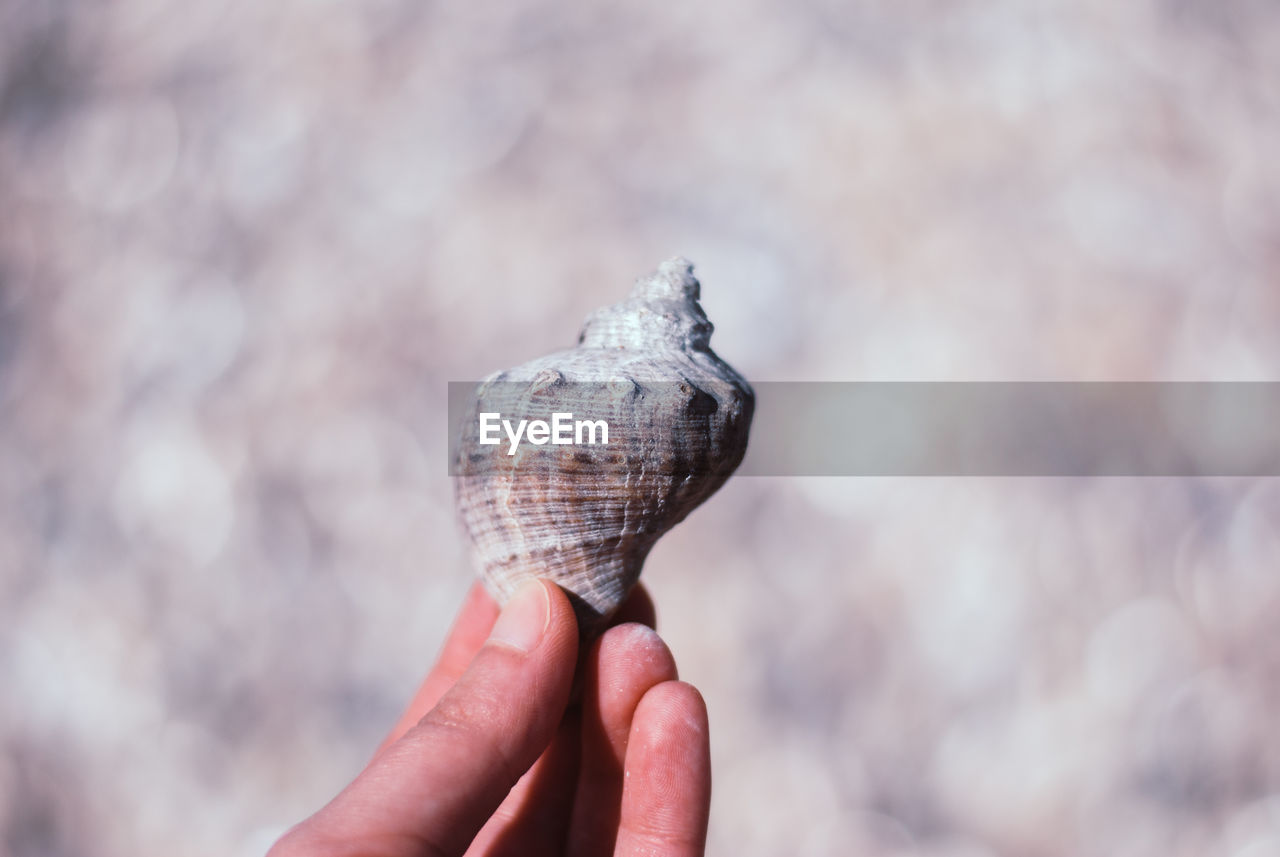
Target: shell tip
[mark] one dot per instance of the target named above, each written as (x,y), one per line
(674,280)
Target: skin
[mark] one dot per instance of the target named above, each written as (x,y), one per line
(490,758)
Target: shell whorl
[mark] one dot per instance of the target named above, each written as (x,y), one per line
(587,516)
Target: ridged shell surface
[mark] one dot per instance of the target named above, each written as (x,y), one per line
(586,514)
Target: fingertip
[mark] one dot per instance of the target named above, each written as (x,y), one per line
(673,715)
(537,614)
(626,662)
(630,653)
(524,620)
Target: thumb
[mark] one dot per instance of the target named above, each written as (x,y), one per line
(431,791)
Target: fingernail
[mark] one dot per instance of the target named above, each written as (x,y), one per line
(524,620)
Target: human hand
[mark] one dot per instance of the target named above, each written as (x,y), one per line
(490,759)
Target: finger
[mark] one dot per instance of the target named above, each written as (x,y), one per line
(473,624)
(535,817)
(666,798)
(533,820)
(434,788)
(637,608)
(626,662)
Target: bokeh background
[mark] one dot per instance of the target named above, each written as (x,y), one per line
(244,246)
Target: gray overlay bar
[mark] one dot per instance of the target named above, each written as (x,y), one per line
(1005,429)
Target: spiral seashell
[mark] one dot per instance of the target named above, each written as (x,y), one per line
(585,514)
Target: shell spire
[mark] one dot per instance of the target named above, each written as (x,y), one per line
(672,420)
(662,313)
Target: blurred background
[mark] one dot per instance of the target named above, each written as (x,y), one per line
(244,246)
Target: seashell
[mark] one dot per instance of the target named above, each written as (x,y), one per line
(587,514)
